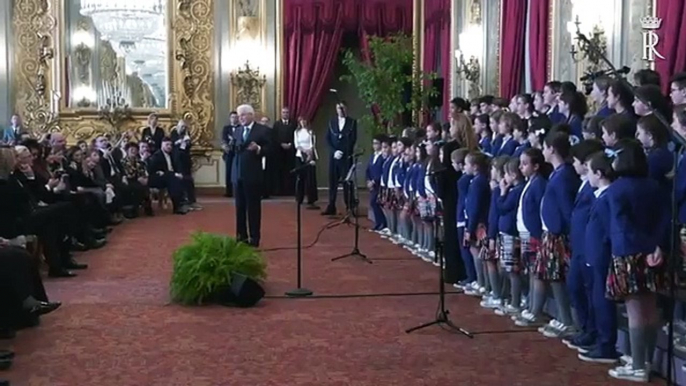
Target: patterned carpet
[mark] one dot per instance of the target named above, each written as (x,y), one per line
(116,326)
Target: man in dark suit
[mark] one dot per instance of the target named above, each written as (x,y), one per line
(249,140)
(165,173)
(341,136)
(284,131)
(227,135)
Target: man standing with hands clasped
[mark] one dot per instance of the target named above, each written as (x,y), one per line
(341,136)
(249,140)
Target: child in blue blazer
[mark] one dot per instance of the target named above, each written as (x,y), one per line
(482,129)
(507,124)
(373,174)
(637,270)
(421,159)
(496,139)
(535,170)
(510,192)
(552,258)
(476,210)
(579,276)
(388,148)
(597,255)
(405,215)
(457,159)
(487,253)
(520,135)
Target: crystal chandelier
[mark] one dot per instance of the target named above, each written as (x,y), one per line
(124,21)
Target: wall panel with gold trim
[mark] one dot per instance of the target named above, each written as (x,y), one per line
(40,66)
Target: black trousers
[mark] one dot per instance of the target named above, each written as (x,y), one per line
(306,183)
(19,279)
(137,194)
(248,199)
(285,162)
(51,224)
(174,186)
(228,161)
(338,170)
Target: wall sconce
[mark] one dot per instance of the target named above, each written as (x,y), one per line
(249,85)
(581,50)
(469,71)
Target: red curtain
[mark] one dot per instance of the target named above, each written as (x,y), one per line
(313,35)
(672,34)
(512,32)
(437,55)
(538,42)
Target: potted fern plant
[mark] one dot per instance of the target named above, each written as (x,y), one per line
(206,264)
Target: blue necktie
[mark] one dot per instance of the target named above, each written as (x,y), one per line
(246,132)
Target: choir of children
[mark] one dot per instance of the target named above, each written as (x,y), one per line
(548,207)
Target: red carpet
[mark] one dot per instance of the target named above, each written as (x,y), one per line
(116,326)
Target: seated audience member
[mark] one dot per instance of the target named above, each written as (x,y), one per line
(136,174)
(87,192)
(181,138)
(21,216)
(22,295)
(110,163)
(93,170)
(166,173)
(677,89)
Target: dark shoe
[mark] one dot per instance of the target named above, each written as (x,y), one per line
(148,211)
(182,210)
(5,364)
(44,308)
(596,356)
(312,207)
(4,354)
(75,265)
(329,212)
(254,243)
(77,246)
(61,273)
(97,243)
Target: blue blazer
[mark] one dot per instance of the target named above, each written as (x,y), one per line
(520,149)
(558,199)
(462,188)
(493,216)
(555,115)
(485,145)
(386,169)
(638,221)
(418,180)
(375,169)
(477,203)
(680,181)
(660,164)
(576,123)
(507,148)
(507,210)
(580,215)
(597,251)
(605,111)
(496,143)
(531,205)
(409,181)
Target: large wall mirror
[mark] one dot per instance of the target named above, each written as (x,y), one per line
(116,50)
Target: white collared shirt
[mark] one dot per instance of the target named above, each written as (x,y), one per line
(341,123)
(167,157)
(600,190)
(376,157)
(303,140)
(391,181)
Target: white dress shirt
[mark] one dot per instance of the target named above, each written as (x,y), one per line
(520,215)
(304,139)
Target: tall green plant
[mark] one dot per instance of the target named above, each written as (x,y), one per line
(206,264)
(381,81)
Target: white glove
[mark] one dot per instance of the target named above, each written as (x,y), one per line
(338,154)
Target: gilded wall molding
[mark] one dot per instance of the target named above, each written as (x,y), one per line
(39,54)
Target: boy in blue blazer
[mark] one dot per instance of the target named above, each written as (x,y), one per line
(374,173)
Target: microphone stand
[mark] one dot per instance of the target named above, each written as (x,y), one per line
(300,291)
(442,318)
(674,243)
(353,205)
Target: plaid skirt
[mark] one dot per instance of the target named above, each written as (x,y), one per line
(552,259)
(682,239)
(630,275)
(427,208)
(408,206)
(509,252)
(528,249)
(479,238)
(383,196)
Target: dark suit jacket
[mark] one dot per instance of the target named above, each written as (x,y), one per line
(107,165)
(183,156)
(157,163)
(15,207)
(227,135)
(154,139)
(284,132)
(343,140)
(247,165)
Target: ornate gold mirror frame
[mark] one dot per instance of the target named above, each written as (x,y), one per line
(40,74)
